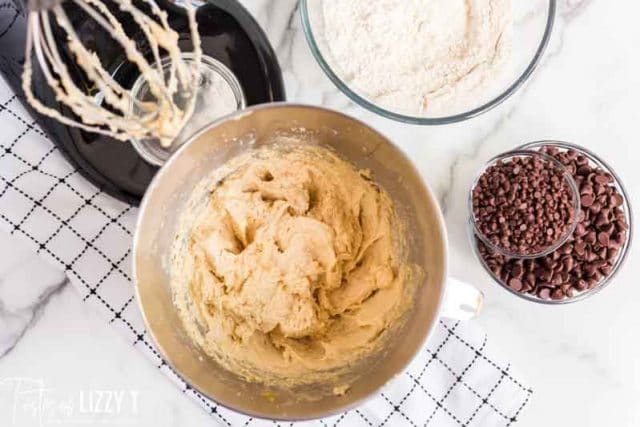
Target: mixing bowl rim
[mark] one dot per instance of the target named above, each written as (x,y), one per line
(238,115)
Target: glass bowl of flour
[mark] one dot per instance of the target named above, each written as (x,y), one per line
(428,62)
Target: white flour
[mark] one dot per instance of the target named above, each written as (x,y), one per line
(419,57)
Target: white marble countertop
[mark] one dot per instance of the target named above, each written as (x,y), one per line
(583,360)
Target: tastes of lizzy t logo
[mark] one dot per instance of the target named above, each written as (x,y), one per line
(27,402)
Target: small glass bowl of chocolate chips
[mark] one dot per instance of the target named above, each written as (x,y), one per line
(550,222)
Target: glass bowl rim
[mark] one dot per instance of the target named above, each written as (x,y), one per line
(624,251)
(428,121)
(575,192)
(206,61)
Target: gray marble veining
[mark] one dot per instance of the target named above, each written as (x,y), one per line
(26,286)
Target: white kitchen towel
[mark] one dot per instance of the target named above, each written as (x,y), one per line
(455,380)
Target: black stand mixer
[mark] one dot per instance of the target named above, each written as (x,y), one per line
(229,34)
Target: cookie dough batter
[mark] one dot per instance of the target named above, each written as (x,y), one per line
(294,270)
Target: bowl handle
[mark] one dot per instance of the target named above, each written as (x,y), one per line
(462,301)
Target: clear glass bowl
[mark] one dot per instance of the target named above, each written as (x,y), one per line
(214,76)
(533,23)
(571,184)
(594,160)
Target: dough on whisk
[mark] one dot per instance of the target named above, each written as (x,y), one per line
(295,269)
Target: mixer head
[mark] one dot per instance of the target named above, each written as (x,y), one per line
(113,111)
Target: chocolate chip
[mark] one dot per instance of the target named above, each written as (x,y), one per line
(587,200)
(603,238)
(557,294)
(581,285)
(606,269)
(583,170)
(531,280)
(586,189)
(517,270)
(601,220)
(566,249)
(603,179)
(544,293)
(616,200)
(568,263)
(602,253)
(515,284)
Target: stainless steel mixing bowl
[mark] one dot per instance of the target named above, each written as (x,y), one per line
(212,147)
